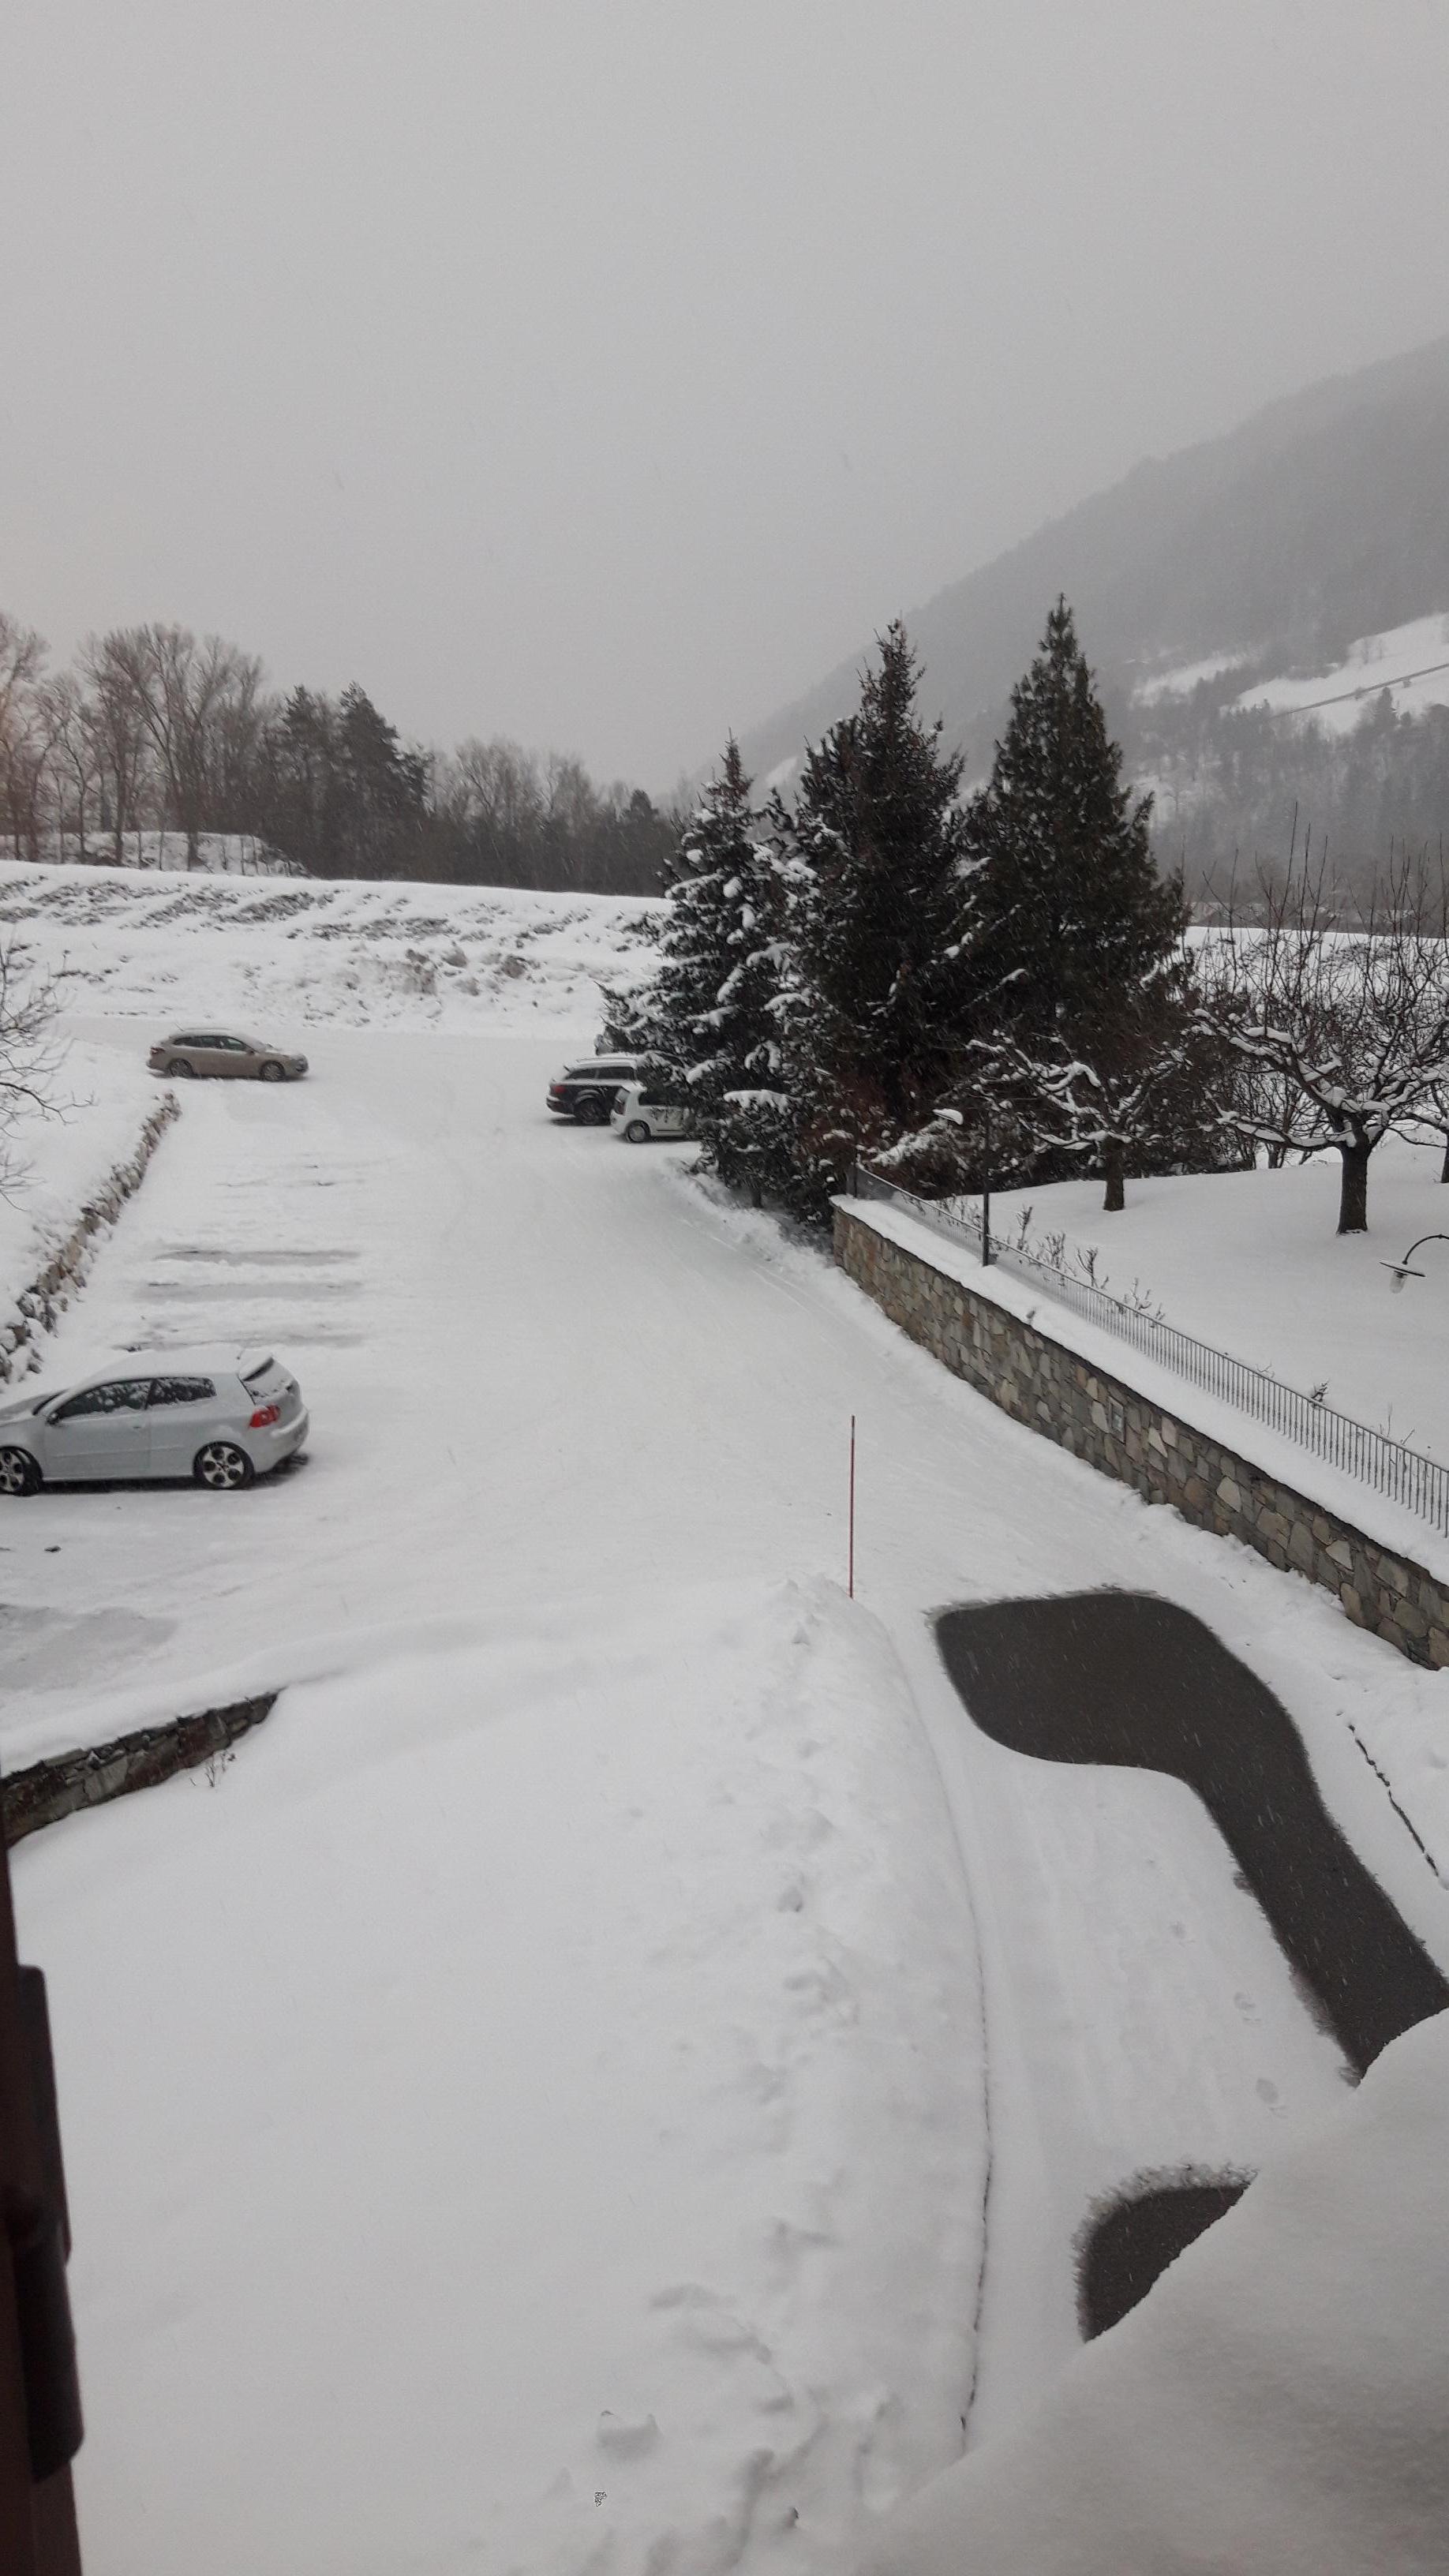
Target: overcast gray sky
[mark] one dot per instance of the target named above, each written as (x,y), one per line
(602,371)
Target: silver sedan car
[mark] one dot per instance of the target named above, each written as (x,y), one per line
(221,1417)
(227,1058)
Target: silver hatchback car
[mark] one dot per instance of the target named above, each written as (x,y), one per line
(229,1059)
(221,1417)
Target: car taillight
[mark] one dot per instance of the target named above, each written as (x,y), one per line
(264,1416)
(555,1090)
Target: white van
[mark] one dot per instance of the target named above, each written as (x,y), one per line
(641,1113)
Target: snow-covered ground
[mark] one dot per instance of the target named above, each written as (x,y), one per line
(1185,677)
(1251,1262)
(370,954)
(1277,2404)
(1410,661)
(533,2107)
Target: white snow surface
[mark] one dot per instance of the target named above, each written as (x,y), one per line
(470,2010)
(97,1104)
(1410,661)
(1402,1725)
(1276,2403)
(374,953)
(1185,677)
(545,2129)
(1252,1263)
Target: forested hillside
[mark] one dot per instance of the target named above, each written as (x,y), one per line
(1320,521)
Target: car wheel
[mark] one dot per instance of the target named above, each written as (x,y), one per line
(591,1111)
(637,1133)
(223,1467)
(179,1065)
(271,1072)
(19,1473)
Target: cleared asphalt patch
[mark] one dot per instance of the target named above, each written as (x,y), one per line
(1125,1678)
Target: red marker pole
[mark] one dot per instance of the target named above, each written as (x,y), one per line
(850,1578)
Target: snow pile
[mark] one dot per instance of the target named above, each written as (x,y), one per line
(1410,661)
(304,950)
(63,1157)
(1278,2401)
(548,2129)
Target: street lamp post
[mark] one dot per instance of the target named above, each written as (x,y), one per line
(1399,1271)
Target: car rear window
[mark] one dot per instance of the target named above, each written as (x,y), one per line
(260,1379)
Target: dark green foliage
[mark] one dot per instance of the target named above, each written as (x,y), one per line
(880,844)
(698,942)
(1066,915)
(341,797)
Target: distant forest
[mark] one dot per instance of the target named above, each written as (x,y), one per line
(1238,783)
(153,728)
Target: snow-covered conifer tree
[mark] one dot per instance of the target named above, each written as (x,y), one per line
(879,854)
(1068,915)
(664,1017)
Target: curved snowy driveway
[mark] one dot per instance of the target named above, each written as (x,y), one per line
(543,1371)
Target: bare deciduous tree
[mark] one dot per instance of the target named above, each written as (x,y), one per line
(118,723)
(22,660)
(197,702)
(30,1055)
(1341,1034)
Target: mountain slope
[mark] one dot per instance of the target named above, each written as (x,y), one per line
(1320,520)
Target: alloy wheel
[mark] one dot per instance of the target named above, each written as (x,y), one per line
(223,1467)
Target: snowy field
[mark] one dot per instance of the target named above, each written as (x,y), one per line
(370,954)
(532,2108)
(1251,1262)
(1411,662)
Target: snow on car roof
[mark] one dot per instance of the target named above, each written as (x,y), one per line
(206,1359)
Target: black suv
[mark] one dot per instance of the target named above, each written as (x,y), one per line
(585,1091)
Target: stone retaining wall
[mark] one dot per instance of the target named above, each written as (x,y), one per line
(47,1791)
(38,1308)
(1102,1420)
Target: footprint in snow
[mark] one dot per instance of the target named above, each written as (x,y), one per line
(626,2441)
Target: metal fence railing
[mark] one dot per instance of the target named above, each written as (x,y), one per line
(1417,1483)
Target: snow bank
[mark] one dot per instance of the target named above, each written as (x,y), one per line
(303,950)
(1278,2401)
(64,1161)
(548,2132)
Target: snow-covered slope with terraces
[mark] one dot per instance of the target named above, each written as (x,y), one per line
(1410,661)
(306,950)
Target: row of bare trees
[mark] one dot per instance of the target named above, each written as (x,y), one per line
(156,729)
(153,726)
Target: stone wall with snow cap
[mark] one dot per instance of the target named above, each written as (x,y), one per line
(1106,1422)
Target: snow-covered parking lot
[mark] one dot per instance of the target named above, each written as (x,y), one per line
(533,2109)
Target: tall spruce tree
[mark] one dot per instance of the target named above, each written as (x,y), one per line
(880,846)
(696,952)
(1066,918)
